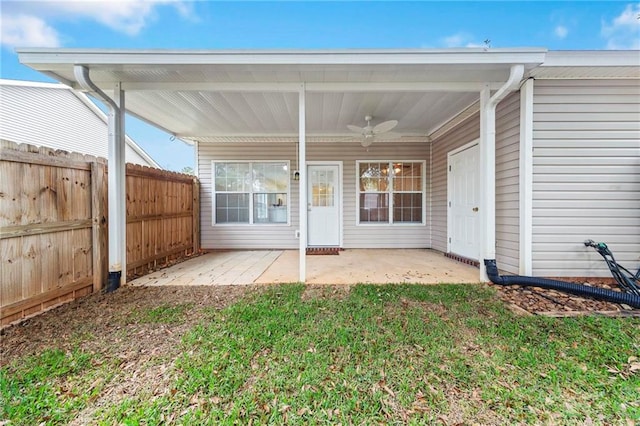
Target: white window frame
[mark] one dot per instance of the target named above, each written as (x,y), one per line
(423,172)
(251,193)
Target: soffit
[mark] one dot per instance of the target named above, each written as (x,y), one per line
(204,95)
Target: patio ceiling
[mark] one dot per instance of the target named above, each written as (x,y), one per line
(235,95)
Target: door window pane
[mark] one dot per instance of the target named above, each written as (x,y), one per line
(322,191)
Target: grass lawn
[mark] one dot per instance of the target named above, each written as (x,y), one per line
(393,354)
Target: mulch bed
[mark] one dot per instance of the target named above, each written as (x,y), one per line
(539,301)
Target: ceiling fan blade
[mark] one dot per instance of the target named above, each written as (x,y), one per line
(385,126)
(388,136)
(355,129)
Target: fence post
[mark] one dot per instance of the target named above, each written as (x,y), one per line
(196,216)
(98,216)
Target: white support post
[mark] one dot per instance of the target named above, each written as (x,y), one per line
(302,155)
(116,180)
(526,178)
(118,196)
(487,180)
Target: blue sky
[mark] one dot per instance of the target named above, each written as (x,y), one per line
(173,24)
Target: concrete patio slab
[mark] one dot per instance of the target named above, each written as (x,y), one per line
(376,266)
(215,268)
(352,266)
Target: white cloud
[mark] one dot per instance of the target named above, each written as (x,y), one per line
(561,31)
(124,16)
(461,39)
(26,31)
(623,32)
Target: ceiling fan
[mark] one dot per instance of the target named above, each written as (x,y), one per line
(368,133)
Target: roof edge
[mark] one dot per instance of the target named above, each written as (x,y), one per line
(586,58)
(37,84)
(34,56)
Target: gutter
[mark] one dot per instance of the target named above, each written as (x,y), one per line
(515,76)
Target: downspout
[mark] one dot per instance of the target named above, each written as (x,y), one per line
(116,186)
(488,106)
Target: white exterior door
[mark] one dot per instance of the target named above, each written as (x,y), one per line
(323,195)
(464,196)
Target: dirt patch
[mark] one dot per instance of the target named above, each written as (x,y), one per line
(436,308)
(113,318)
(116,327)
(322,291)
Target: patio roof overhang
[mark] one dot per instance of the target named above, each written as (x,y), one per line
(306,96)
(207,95)
(210,96)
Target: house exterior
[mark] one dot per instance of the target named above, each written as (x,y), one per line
(56,116)
(513,154)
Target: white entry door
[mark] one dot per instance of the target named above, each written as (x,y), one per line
(464,195)
(323,196)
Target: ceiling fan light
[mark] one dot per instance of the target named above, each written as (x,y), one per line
(367,141)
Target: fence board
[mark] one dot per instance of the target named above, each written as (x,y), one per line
(53,225)
(49,267)
(99,250)
(11,211)
(31,270)
(48,211)
(11,271)
(159,218)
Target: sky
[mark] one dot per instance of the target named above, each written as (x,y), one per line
(174,24)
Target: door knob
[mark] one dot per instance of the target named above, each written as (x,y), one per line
(475,209)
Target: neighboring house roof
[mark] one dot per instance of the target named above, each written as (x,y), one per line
(220,96)
(56,116)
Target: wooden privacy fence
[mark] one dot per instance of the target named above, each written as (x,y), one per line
(53,225)
(163,218)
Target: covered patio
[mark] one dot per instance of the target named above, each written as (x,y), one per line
(293,110)
(353,266)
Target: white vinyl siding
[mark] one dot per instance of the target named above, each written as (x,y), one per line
(586,175)
(131,156)
(463,134)
(283,237)
(507,183)
(55,118)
